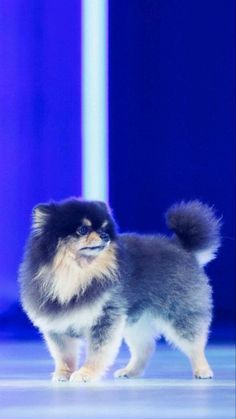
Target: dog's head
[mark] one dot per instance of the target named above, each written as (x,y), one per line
(83,228)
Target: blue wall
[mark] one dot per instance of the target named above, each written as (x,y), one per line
(172,119)
(39,119)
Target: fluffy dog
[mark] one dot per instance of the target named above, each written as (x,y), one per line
(81,279)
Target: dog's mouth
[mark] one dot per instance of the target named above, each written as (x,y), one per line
(93,248)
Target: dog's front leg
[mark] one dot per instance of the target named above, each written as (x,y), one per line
(64,350)
(104,341)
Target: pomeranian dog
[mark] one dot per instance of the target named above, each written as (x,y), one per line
(81,279)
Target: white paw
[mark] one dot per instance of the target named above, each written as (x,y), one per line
(84,375)
(204,373)
(126,373)
(60,376)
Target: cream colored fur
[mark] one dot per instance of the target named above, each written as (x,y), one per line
(71,273)
(39,219)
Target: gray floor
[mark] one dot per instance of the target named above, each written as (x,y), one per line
(167,391)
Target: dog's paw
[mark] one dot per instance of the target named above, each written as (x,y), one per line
(204,373)
(61,376)
(84,375)
(126,373)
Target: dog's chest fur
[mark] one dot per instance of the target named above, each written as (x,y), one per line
(78,319)
(64,279)
(67,277)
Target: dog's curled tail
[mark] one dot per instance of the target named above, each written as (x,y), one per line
(197,229)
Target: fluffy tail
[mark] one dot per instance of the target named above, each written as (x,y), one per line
(197,228)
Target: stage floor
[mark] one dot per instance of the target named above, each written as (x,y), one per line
(167,391)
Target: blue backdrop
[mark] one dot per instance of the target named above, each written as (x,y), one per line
(172,120)
(172,123)
(39,124)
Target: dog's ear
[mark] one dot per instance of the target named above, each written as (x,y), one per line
(40,214)
(103,206)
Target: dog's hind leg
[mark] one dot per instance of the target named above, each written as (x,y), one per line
(196,354)
(194,348)
(139,337)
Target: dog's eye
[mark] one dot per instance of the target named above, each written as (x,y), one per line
(104,236)
(82,230)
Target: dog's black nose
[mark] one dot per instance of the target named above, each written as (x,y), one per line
(105,236)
